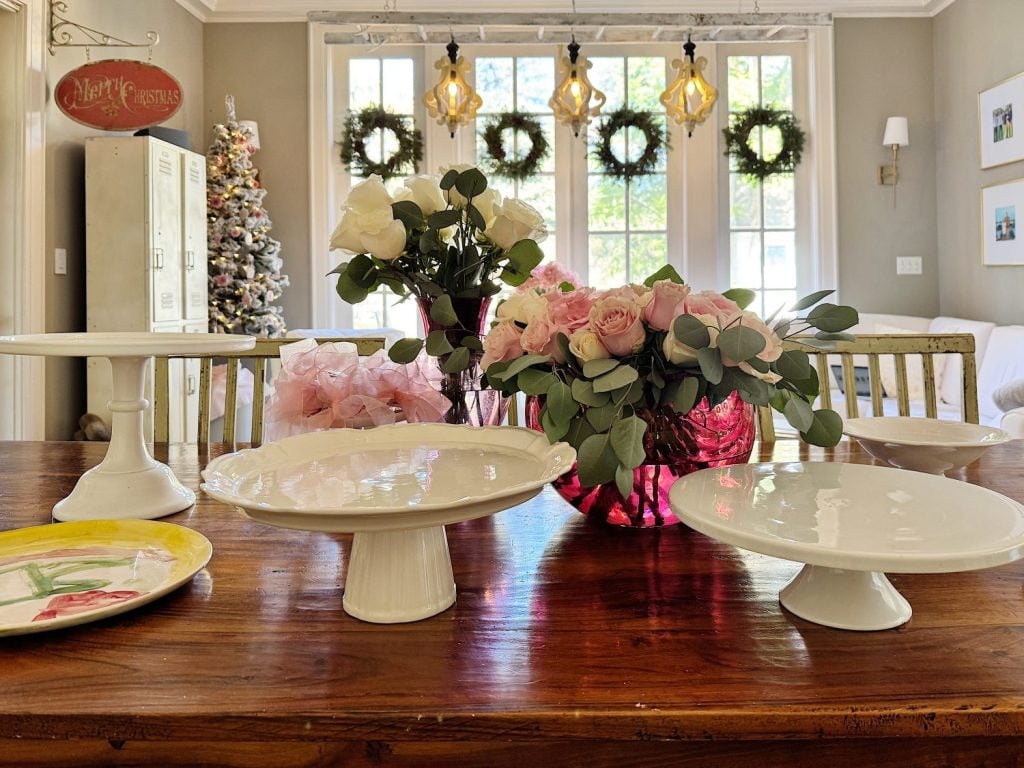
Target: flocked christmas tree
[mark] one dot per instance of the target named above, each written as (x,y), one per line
(244,260)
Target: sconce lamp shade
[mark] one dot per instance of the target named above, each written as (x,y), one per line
(690,98)
(452,101)
(254,132)
(896,132)
(571,101)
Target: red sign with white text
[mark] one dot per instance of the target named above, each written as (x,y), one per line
(118,95)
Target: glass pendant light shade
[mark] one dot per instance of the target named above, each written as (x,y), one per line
(452,101)
(575,101)
(690,98)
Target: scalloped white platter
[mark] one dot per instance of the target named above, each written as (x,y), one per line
(849,523)
(924,445)
(395,487)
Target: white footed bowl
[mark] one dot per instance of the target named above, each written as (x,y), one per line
(924,445)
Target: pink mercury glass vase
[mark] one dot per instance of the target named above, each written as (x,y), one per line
(676,444)
(471,402)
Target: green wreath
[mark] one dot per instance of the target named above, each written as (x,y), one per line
(358,127)
(654,135)
(505,163)
(748,161)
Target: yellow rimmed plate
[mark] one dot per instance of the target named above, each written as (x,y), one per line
(60,575)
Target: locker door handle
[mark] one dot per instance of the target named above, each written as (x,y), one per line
(190,385)
(158,258)
(190,260)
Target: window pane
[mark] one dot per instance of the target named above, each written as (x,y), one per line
(535,82)
(646,82)
(494,83)
(607,260)
(399,80)
(370,312)
(777,81)
(744,202)
(779,201)
(648,202)
(548,124)
(363,83)
(540,193)
(742,82)
(775,299)
(607,76)
(646,256)
(771,142)
(745,271)
(779,259)
(402,315)
(607,203)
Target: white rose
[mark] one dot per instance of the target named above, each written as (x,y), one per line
(387,243)
(515,220)
(367,212)
(523,307)
(346,234)
(683,354)
(454,195)
(587,346)
(487,202)
(424,191)
(368,195)
(374,221)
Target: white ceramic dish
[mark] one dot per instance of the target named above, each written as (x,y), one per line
(849,523)
(128,483)
(395,487)
(924,445)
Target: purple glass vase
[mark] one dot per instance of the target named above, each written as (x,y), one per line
(471,402)
(676,444)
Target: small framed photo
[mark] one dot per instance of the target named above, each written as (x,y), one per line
(1002,209)
(1001,122)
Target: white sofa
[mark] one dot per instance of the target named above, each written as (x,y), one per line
(999,355)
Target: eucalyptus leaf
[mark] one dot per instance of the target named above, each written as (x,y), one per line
(349,291)
(600,418)
(759,365)
(811,299)
(476,218)
(534,381)
(429,242)
(340,269)
(456,361)
(405,350)
(492,373)
(520,364)
(442,311)
(471,183)
(826,430)
(667,272)
(407,212)
(579,431)
(619,377)
(583,392)
(743,297)
(834,336)
(809,386)
(596,461)
(362,271)
(438,344)
(524,256)
(563,346)
(443,219)
(555,430)
(561,407)
(799,413)
(691,331)
(686,395)
(511,277)
(832,318)
(594,368)
(448,180)
(627,438)
(624,481)
(793,364)
(740,343)
(710,361)
(472,343)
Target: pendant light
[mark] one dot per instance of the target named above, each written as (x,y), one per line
(690,98)
(452,101)
(571,101)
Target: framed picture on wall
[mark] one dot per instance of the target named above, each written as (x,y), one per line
(1001,122)
(1002,210)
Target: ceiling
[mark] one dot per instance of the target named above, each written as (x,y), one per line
(296,10)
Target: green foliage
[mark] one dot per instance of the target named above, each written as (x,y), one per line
(500,158)
(357,130)
(748,159)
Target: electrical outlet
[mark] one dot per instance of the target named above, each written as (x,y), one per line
(60,261)
(908,265)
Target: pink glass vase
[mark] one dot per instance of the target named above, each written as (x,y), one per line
(471,402)
(676,444)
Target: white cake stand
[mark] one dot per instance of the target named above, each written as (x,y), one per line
(128,483)
(849,524)
(395,488)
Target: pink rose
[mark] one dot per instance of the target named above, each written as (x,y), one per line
(551,275)
(709,303)
(502,343)
(570,310)
(772,345)
(667,295)
(539,338)
(618,325)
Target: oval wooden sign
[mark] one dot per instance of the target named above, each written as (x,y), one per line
(118,95)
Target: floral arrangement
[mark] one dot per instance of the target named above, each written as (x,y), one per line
(599,358)
(442,240)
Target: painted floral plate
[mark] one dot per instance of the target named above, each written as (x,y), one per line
(60,575)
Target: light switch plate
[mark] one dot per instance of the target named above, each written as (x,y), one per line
(60,261)
(908,265)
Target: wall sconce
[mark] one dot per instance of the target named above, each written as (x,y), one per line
(571,99)
(690,98)
(896,136)
(452,101)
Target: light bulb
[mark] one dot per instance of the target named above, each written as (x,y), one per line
(690,87)
(453,88)
(575,88)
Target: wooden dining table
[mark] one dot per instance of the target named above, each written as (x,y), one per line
(570,644)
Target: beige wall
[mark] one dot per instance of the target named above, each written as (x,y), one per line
(264,67)
(180,52)
(978,43)
(884,68)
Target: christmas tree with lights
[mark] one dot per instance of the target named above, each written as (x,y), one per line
(244,260)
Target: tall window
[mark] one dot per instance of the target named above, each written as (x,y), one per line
(389,82)
(627,222)
(763,214)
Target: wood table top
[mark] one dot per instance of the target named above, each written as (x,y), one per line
(637,644)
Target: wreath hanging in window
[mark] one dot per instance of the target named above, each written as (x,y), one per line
(748,161)
(359,126)
(655,143)
(501,159)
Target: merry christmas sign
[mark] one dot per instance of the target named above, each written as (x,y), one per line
(118,95)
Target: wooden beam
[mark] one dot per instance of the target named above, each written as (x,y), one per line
(524,35)
(648,20)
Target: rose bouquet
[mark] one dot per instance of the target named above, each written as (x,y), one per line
(602,362)
(448,242)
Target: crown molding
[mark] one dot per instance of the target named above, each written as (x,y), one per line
(12,5)
(201,9)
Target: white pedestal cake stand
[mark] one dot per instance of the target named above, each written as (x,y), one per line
(849,524)
(394,488)
(128,483)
